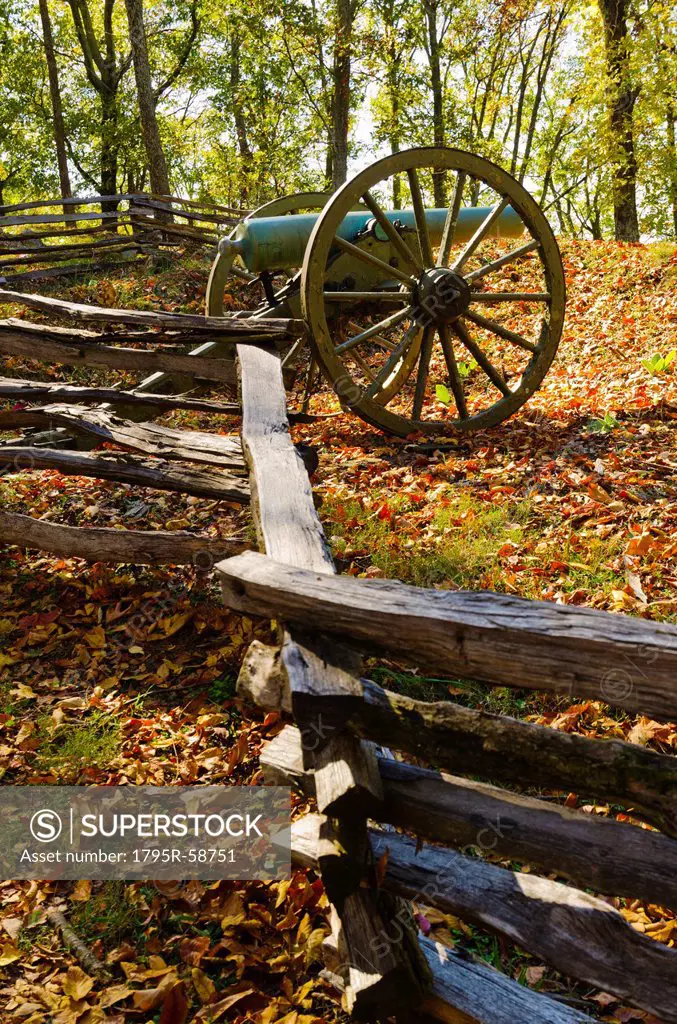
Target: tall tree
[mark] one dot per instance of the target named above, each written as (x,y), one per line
(622,98)
(391,41)
(157,162)
(671,118)
(241,129)
(340,105)
(105,69)
(57,107)
(435,31)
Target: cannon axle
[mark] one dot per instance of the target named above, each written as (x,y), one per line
(441,296)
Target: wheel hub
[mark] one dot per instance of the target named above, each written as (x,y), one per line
(443,296)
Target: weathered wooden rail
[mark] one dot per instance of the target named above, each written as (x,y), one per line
(207,465)
(48,236)
(330,755)
(375,954)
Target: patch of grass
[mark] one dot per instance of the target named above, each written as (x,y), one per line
(500,700)
(31,937)
(589,559)
(93,743)
(108,915)
(471,532)
(470,543)
(409,685)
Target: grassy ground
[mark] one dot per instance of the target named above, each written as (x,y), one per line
(126,674)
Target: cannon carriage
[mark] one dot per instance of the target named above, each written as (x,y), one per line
(431,284)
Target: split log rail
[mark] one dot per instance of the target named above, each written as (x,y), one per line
(327,622)
(56,238)
(484,795)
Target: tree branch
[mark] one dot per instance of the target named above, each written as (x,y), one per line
(184,55)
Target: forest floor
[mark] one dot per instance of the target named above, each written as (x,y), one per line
(124,674)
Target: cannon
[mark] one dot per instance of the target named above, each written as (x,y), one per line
(431,284)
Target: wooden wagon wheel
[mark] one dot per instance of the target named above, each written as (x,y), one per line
(482,367)
(228,264)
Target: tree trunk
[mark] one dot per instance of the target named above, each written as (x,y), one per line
(157,163)
(246,154)
(109,147)
(434,46)
(622,98)
(552,35)
(340,112)
(672,156)
(393,85)
(104,76)
(55,95)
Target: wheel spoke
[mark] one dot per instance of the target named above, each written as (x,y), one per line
(510,296)
(377,338)
(454,375)
(393,360)
(369,332)
(422,375)
(501,331)
(420,218)
(392,233)
(366,369)
(405,297)
(293,352)
(367,257)
(481,232)
(481,360)
(311,376)
(452,220)
(508,258)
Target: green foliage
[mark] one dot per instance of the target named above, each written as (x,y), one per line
(464,370)
(657,364)
(245,111)
(223,689)
(604,425)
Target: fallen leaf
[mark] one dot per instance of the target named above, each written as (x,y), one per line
(114,994)
(96,638)
(9,953)
(175,1006)
(82,891)
(204,986)
(534,974)
(150,998)
(234,912)
(215,1010)
(12,925)
(77,984)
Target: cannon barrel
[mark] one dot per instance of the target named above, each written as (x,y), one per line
(274,243)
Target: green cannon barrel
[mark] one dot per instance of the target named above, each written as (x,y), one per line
(272,243)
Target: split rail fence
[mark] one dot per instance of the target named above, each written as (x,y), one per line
(56,238)
(338,747)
